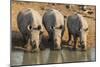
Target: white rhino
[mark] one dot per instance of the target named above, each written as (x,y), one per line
(53,21)
(78,28)
(30,25)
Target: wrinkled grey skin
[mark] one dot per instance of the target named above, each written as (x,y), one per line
(77,27)
(53,21)
(30,25)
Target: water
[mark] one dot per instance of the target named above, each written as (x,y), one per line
(49,56)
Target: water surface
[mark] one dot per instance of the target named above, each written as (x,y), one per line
(51,56)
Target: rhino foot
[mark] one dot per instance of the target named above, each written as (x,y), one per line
(74,48)
(28,48)
(58,48)
(36,50)
(83,49)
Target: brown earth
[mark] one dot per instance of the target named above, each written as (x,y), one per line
(41,8)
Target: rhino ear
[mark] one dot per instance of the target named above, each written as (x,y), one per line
(65,16)
(42,30)
(65,19)
(29,27)
(39,27)
(60,27)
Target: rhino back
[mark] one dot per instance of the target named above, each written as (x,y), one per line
(24,18)
(52,18)
(73,23)
(49,19)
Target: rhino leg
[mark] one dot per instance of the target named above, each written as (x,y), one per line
(51,44)
(83,43)
(25,38)
(75,40)
(57,43)
(69,38)
(62,37)
(51,41)
(36,50)
(28,46)
(58,48)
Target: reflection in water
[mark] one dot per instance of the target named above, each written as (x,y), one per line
(16,57)
(74,56)
(36,58)
(55,57)
(49,56)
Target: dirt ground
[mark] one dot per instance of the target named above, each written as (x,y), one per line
(42,7)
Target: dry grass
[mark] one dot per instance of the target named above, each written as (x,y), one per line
(41,7)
